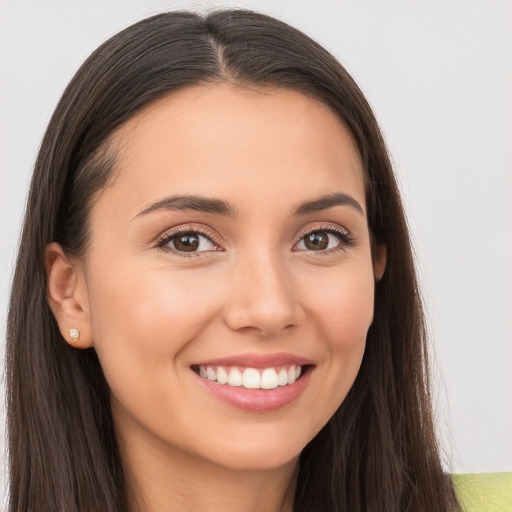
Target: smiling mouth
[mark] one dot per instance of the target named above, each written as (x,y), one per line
(252,378)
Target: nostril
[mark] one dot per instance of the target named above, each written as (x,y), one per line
(266,321)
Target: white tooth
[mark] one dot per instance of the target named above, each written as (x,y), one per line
(235,378)
(251,378)
(222,376)
(297,373)
(282,377)
(210,374)
(202,371)
(291,375)
(269,379)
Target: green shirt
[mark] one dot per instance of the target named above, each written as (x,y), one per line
(484,492)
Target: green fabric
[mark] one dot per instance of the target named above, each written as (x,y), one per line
(484,492)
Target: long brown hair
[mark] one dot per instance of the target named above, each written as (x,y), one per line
(378,452)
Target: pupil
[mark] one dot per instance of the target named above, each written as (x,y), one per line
(317,241)
(187,243)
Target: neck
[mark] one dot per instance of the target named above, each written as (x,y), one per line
(165,479)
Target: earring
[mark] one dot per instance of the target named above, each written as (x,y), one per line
(74,335)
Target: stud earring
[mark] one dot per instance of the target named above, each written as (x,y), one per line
(74,335)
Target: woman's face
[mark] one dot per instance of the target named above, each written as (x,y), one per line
(232,242)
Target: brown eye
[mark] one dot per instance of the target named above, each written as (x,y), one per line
(186,243)
(317,241)
(325,240)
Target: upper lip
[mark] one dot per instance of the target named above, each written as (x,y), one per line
(257,360)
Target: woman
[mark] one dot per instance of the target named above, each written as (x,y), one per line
(222,303)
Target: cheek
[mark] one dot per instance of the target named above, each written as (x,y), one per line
(344,308)
(158,303)
(342,313)
(141,320)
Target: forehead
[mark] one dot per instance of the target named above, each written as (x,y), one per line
(221,139)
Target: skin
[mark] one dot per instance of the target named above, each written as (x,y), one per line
(151,312)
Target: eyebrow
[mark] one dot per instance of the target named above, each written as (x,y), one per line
(191,202)
(221,207)
(326,202)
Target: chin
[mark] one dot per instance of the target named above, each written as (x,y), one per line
(259,454)
(259,461)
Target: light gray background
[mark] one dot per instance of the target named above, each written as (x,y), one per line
(439,76)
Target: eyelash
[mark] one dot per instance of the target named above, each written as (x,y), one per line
(168,236)
(346,240)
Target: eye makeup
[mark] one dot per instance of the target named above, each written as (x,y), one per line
(193,241)
(346,240)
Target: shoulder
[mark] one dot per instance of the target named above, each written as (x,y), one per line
(484,492)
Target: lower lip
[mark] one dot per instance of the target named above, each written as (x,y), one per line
(257,400)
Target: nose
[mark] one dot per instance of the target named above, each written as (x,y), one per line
(262,297)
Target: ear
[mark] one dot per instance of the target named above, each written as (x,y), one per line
(67,296)
(379,261)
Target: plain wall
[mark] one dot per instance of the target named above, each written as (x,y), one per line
(439,76)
